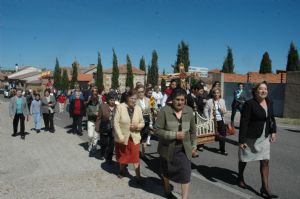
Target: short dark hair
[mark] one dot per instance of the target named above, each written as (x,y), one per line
(130,93)
(47,90)
(178,92)
(240,83)
(197,86)
(172,80)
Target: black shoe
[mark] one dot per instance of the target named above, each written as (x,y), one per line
(23,137)
(14,134)
(80,134)
(38,131)
(223,152)
(110,162)
(266,194)
(46,130)
(52,131)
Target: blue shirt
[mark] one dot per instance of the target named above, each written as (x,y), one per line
(19,105)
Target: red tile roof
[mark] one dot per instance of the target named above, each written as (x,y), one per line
(83,77)
(255,77)
(216,70)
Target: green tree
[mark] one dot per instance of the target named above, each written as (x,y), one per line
(64,80)
(228,65)
(129,75)
(142,64)
(99,74)
(163,83)
(265,64)
(74,74)
(293,63)
(57,75)
(183,56)
(149,75)
(115,72)
(154,68)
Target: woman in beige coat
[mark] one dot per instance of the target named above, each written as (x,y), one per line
(128,122)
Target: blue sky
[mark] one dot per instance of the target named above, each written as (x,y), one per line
(35,32)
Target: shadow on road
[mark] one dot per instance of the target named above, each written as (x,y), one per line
(215,174)
(96,154)
(293,130)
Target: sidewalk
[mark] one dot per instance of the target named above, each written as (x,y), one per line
(48,166)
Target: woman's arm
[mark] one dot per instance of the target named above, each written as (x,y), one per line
(206,110)
(244,121)
(193,130)
(159,128)
(117,130)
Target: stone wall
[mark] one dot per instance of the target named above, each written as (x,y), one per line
(292,95)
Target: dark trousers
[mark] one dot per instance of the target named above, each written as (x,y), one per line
(21,117)
(77,124)
(107,146)
(222,132)
(234,109)
(48,121)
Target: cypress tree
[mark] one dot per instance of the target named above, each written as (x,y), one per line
(115,72)
(142,64)
(183,56)
(64,80)
(57,75)
(228,66)
(99,74)
(163,83)
(74,74)
(149,75)
(265,64)
(154,69)
(129,76)
(293,59)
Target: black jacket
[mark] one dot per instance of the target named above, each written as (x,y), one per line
(192,101)
(253,119)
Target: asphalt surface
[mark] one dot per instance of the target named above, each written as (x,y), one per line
(214,175)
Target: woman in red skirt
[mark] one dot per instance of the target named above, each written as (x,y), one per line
(128,122)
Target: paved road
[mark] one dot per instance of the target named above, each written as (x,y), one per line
(213,175)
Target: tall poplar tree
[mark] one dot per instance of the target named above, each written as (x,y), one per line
(115,72)
(99,73)
(228,65)
(57,75)
(265,64)
(142,64)
(293,63)
(129,76)
(64,81)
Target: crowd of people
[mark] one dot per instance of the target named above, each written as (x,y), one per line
(121,123)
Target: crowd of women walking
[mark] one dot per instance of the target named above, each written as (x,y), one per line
(121,124)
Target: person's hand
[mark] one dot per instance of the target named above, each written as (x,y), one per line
(180,135)
(273,137)
(243,146)
(96,113)
(194,153)
(133,127)
(222,110)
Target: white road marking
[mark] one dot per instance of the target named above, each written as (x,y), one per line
(227,188)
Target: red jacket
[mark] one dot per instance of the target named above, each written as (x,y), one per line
(61,99)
